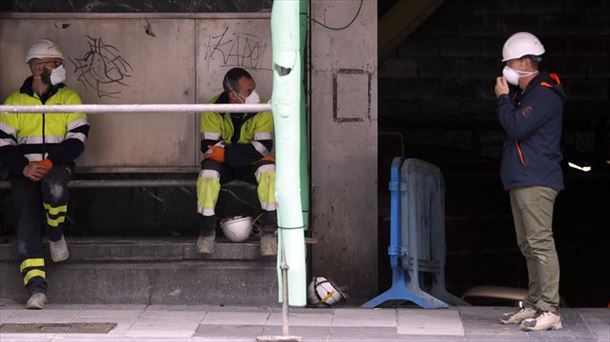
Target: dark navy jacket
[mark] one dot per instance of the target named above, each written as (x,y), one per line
(532,122)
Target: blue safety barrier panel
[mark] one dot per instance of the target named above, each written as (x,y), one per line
(417,237)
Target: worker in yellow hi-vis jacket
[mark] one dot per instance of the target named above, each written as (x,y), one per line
(236,145)
(39,150)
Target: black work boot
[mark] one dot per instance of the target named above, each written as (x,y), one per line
(269,222)
(207,234)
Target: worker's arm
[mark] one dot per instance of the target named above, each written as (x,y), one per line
(239,155)
(519,121)
(10,155)
(211,130)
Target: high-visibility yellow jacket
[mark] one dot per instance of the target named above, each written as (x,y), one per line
(248,137)
(26,137)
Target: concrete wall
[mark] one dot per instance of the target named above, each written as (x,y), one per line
(162,6)
(136,58)
(344,145)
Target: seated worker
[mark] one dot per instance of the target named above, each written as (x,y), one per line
(236,146)
(39,150)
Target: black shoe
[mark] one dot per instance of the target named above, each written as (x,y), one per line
(269,222)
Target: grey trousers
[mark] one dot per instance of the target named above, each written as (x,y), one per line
(533,215)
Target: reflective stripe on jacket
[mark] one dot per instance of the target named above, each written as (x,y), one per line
(253,141)
(26,137)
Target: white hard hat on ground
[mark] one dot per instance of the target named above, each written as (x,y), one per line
(237,229)
(323,292)
(43,48)
(521,44)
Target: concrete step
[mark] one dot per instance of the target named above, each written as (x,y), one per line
(150,271)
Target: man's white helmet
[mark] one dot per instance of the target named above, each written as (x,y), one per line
(43,48)
(323,292)
(521,44)
(236,229)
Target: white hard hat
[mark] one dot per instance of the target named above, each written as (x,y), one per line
(43,48)
(236,228)
(521,44)
(322,291)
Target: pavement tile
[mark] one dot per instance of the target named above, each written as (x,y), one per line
(323,319)
(306,309)
(483,321)
(232,308)
(229,332)
(165,323)
(235,318)
(362,333)
(107,316)
(598,322)
(171,318)
(364,317)
(307,333)
(42,316)
(164,314)
(429,322)
(201,308)
(161,331)
(429,338)
(102,307)
(26,337)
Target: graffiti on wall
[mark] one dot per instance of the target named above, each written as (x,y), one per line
(102,68)
(243,50)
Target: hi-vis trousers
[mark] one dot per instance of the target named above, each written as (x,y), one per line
(31,199)
(214,174)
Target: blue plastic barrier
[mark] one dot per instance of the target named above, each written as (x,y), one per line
(417,236)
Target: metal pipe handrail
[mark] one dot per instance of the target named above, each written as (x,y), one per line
(133,108)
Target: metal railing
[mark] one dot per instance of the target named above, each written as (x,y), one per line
(133,108)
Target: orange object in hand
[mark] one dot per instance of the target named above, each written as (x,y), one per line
(267,158)
(47,163)
(215,153)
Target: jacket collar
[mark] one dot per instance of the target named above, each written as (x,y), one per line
(545,79)
(26,88)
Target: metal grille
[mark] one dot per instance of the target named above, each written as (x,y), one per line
(56,328)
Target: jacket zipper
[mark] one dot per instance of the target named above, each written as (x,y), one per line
(44,143)
(521,156)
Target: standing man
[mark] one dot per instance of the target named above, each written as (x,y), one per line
(236,145)
(39,150)
(531,172)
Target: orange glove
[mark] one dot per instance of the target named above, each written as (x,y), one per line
(46,163)
(215,153)
(267,158)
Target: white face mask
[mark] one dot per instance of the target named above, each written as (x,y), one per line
(58,75)
(253,98)
(512,76)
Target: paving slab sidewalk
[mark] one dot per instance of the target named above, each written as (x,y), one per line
(226,323)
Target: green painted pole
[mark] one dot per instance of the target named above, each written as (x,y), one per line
(286,102)
(304,22)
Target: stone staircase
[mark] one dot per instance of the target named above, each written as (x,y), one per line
(149,271)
